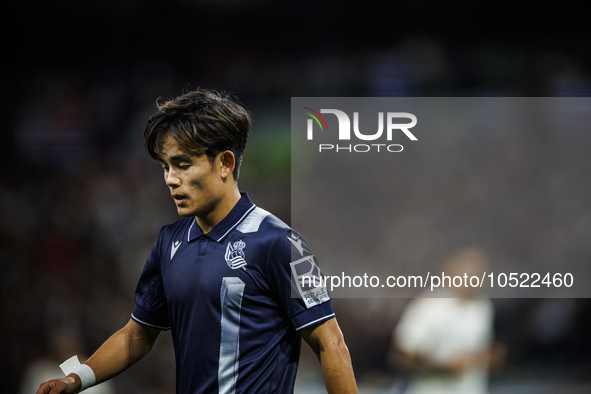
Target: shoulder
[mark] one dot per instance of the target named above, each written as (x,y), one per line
(261,220)
(273,235)
(265,226)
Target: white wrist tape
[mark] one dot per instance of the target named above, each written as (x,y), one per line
(86,376)
(72,365)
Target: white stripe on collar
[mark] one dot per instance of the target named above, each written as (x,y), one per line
(237,223)
(189,232)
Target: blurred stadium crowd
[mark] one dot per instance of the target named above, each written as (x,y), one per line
(82,204)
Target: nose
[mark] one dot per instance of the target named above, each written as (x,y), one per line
(171,178)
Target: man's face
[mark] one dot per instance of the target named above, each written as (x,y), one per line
(195,183)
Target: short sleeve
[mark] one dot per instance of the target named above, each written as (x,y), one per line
(296,279)
(151,307)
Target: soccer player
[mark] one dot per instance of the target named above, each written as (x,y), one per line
(220,278)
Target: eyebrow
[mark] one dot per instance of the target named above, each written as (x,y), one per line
(181,157)
(177,158)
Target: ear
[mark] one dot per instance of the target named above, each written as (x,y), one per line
(227,163)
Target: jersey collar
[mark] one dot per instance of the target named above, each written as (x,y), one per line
(240,211)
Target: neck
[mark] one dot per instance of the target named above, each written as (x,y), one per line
(222,208)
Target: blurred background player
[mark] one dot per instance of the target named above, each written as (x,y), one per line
(446,343)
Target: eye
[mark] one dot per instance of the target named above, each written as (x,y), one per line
(183,167)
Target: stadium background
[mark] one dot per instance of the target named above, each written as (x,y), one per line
(81,203)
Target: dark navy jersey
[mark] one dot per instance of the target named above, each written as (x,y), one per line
(230,302)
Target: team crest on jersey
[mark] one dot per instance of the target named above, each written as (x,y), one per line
(235,257)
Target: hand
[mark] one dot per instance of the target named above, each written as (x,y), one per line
(69,385)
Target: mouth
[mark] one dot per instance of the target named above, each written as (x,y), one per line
(179,199)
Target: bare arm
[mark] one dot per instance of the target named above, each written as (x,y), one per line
(326,340)
(126,347)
